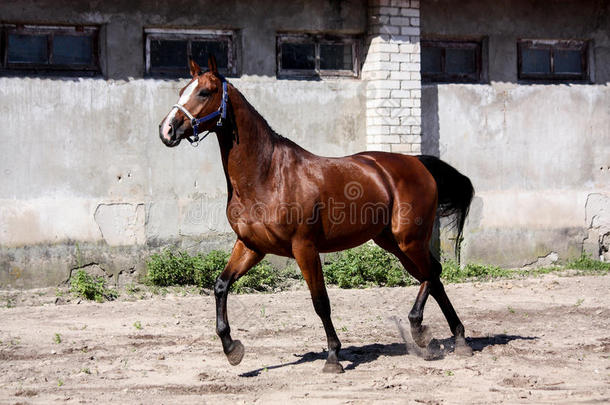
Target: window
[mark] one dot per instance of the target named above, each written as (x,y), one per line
(552,60)
(308,56)
(451,61)
(168,51)
(49,48)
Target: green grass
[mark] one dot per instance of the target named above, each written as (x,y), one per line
(168,268)
(587,263)
(365,266)
(90,287)
(453,273)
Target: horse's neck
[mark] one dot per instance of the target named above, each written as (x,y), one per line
(247,151)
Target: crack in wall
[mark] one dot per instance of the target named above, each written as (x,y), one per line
(597,220)
(121,224)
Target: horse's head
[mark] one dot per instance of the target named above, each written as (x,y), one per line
(201,107)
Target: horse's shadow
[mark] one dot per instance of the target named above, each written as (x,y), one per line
(358,355)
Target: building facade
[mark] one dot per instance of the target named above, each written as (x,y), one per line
(514,96)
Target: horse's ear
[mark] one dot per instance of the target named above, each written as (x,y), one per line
(212,64)
(195,69)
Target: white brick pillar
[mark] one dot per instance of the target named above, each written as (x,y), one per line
(392,71)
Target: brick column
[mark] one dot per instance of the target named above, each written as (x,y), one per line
(392,70)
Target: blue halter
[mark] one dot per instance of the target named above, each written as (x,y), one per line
(195,122)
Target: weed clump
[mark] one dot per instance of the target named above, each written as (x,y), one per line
(168,268)
(587,263)
(90,287)
(365,266)
(453,273)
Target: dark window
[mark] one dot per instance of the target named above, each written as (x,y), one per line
(72,50)
(552,60)
(336,57)
(309,56)
(451,61)
(50,48)
(168,51)
(27,49)
(298,56)
(202,49)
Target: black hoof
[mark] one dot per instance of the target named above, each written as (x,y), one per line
(333,368)
(236,354)
(421,335)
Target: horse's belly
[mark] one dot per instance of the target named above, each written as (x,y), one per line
(352,225)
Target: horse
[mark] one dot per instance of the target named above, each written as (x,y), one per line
(287,201)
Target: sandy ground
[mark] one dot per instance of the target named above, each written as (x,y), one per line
(538,340)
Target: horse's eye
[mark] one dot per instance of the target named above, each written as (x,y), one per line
(204,93)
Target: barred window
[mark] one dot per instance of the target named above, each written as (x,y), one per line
(168,51)
(310,56)
(49,48)
(451,61)
(552,60)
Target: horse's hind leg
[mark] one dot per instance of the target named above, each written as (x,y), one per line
(421,335)
(419,262)
(308,259)
(438,292)
(241,260)
(419,269)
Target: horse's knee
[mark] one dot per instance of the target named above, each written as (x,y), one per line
(220,287)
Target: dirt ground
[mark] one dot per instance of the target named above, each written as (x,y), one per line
(537,340)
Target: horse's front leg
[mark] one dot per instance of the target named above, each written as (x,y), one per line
(308,259)
(241,260)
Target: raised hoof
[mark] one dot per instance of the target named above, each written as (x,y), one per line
(462,348)
(333,368)
(236,354)
(421,335)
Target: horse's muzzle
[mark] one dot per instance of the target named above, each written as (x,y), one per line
(169,135)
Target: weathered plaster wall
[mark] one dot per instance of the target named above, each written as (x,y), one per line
(538,155)
(85,180)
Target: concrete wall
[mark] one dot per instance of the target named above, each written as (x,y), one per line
(85,180)
(538,155)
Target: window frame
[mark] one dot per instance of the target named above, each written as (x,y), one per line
(190,35)
(317,40)
(552,45)
(50,30)
(446,43)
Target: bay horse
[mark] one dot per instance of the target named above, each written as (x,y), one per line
(284,200)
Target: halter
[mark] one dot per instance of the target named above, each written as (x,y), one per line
(222,112)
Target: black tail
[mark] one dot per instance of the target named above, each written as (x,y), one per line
(455,193)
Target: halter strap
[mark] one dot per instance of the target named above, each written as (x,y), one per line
(222,112)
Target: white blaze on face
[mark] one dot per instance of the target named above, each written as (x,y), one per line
(184,98)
